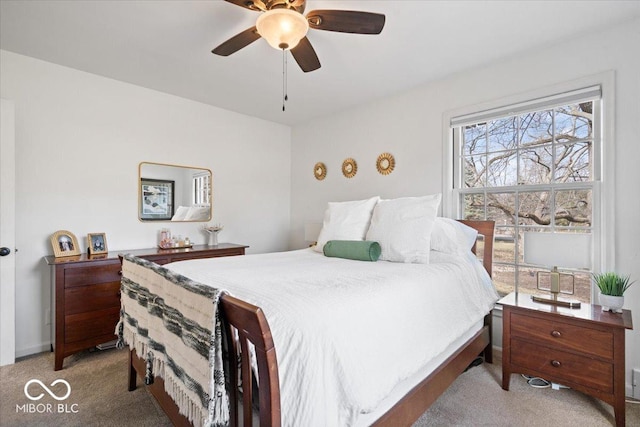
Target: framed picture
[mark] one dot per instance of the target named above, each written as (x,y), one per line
(156,201)
(64,244)
(97,243)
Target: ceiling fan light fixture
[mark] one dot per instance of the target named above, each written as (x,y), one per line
(282,28)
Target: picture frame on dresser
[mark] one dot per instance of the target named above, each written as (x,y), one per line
(64,244)
(156,199)
(97,243)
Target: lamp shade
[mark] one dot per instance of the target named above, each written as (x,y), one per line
(568,250)
(282,28)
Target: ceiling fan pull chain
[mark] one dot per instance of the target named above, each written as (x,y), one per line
(285,96)
(286,78)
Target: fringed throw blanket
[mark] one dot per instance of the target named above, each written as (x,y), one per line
(173,323)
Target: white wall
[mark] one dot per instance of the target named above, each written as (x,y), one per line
(79,139)
(409,126)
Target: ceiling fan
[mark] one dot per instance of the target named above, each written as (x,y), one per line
(282,24)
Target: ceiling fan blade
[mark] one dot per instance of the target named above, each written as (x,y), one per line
(237,42)
(256,5)
(346,21)
(305,56)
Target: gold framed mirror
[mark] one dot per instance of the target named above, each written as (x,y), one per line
(385,163)
(349,168)
(320,171)
(174,193)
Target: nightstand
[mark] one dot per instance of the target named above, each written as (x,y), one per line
(580,348)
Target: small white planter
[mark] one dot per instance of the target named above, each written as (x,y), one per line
(610,302)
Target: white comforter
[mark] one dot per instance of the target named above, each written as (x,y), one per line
(346,332)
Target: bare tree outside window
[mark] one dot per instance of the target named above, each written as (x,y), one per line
(530,172)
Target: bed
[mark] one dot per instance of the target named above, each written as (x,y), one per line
(311,373)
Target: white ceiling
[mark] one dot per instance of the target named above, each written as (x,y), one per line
(166,46)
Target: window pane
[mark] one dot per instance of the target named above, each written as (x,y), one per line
(480,247)
(502,134)
(502,169)
(504,245)
(474,171)
(475,139)
(528,280)
(574,122)
(573,162)
(582,290)
(501,207)
(504,278)
(534,208)
(535,165)
(574,208)
(473,207)
(540,157)
(536,128)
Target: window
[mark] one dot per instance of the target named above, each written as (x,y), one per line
(202,189)
(531,167)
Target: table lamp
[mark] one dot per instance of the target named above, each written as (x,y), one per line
(568,250)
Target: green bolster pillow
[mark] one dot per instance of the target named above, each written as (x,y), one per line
(360,250)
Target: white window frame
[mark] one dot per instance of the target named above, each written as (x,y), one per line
(604,154)
(201,189)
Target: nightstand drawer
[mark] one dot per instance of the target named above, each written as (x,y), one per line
(585,340)
(560,365)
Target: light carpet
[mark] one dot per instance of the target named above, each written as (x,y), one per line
(98,381)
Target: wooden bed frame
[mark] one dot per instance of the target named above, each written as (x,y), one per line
(250,323)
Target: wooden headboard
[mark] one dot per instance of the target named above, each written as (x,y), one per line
(486,229)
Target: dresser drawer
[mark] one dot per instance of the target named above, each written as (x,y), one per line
(83,326)
(91,275)
(81,299)
(585,340)
(560,365)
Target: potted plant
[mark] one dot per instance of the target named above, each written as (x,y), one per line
(612,287)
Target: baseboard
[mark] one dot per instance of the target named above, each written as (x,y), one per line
(24,352)
(497,355)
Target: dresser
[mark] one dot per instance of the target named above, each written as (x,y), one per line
(580,348)
(86,293)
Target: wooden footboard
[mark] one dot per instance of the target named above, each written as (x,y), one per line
(420,398)
(251,325)
(137,364)
(404,413)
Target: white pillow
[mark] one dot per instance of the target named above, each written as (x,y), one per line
(452,237)
(180,214)
(346,221)
(197,213)
(403,228)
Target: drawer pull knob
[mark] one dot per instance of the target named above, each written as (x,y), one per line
(556,334)
(120,273)
(555,363)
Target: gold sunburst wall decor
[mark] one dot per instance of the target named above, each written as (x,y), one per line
(320,171)
(349,168)
(385,163)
